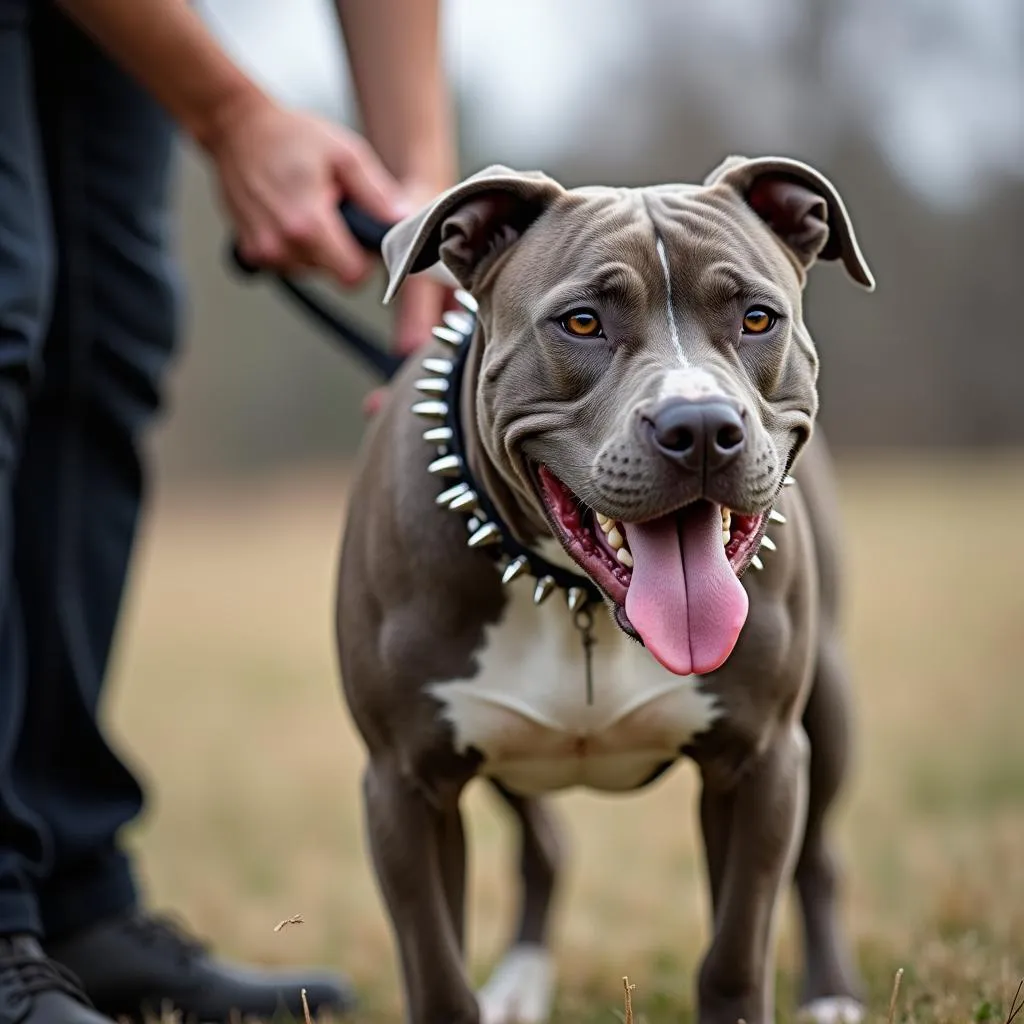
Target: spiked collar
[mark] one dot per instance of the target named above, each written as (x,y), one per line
(439,404)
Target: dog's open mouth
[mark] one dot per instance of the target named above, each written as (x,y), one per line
(674,580)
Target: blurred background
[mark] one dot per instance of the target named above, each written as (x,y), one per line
(914,109)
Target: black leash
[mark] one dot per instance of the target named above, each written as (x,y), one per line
(369,233)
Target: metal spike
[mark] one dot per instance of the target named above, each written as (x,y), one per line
(464,299)
(434,364)
(757,563)
(576,598)
(431,410)
(432,386)
(767,542)
(438,435)
(486,534)
(447,465)
(465,502)
(789,481)
(459,322)
(515,569)
(542,591)
(776,517)
(448,496)
(451,338)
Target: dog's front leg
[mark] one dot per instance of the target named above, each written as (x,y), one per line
(752,833)
(416,840)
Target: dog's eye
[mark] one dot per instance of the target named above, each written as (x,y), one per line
(758,319)
(582,323)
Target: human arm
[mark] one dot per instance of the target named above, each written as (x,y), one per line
(395,55)
(282,174)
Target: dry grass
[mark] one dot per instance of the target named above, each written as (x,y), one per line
(226,696)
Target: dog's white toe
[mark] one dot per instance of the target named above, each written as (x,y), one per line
(832,1010)
(521,989)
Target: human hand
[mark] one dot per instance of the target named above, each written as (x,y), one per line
(282,176)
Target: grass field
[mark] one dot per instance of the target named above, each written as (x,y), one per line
(226,699)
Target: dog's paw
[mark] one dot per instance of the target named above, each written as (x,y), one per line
(521,989)
(831,1010)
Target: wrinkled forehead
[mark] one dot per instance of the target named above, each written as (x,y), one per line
(623,243)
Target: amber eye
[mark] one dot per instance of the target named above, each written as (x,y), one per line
(583,323)
(758,320)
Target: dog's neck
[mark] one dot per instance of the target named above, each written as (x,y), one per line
(500,518)
(511,503)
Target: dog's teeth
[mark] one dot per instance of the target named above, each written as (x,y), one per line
(451,338)
(725,538)
(767,542)
(431,410)
(542,591)
(438,435)
(602,521)
(442,367)
(625,557)
(789,481)
(464,299)
(576,598)
(432,386)
(448,496)
(458,321)
(465,502)
(776,517)
(607,526)
(486,534)
(515,569)
(447,465)
(615,538)
(757,563)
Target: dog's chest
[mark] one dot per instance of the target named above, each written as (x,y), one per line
(526,711)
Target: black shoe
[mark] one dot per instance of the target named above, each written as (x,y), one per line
(139,965)
(35,990)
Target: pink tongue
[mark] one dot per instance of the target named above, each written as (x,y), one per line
(684,599)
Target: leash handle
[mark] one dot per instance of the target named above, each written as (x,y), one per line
(366,229)
(366,343)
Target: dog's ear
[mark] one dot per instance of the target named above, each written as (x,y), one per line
(801,206)
(468,226)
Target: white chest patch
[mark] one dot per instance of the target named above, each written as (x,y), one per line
(526,710)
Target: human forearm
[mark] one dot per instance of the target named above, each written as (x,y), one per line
(166,47)
(394,50)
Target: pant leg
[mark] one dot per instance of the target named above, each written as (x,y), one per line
(108,151)
(25,283)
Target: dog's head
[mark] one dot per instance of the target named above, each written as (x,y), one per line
(646,379)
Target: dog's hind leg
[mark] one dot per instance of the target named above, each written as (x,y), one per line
(831,987)
(414,846)
(521,989)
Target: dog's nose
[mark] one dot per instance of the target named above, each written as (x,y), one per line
(704,435)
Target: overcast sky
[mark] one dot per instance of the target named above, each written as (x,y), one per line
(939,82)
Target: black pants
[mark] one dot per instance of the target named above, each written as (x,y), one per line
(87,325)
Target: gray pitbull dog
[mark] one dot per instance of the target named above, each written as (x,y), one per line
(633,390)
